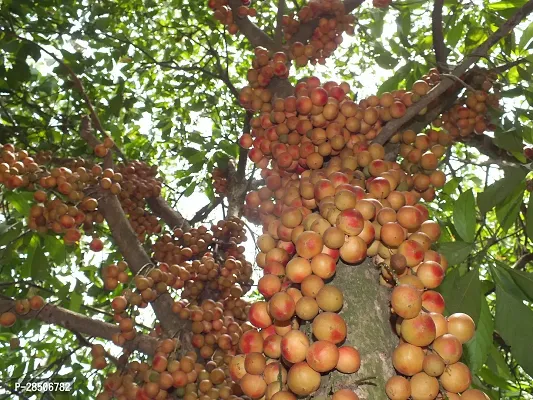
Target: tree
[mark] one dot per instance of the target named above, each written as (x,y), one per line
(415,199)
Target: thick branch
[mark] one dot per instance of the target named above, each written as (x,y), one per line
(441,51)
(172,218)
(251,31)
(394,126)
(128,244)
(237,184)
(79,323)
(278,36)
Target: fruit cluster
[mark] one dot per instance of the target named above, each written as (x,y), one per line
(208,267)
(21,307)
(74,187)
(224,14)
(220,181)
(332,23)
(329,194)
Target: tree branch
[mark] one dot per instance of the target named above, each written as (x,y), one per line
(172,218)
(237,184)
(505,67)
(129,246)
(278,35)
(441,51)
(251,31)
(203,212)
(523,261)
(75,322)
(394,126)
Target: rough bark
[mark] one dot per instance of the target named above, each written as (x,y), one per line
(79,323)
(367,314)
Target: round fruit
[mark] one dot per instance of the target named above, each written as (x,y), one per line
(398,388)
(302,379)
(329,326)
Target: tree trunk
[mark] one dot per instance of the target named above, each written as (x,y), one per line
(367,313)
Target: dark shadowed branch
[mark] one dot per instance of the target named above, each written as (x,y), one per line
(441,51)
(251,31)
(203,212)
(75,322)
(278,36)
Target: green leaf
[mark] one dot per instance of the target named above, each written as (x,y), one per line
(464,216)
(36,264)
(455,34)
(56,248)
(514,322)
(8,233)
(507,211)
(526,37)
(477,349)
(499,190)
(456,252)
(75,301)
(524,280)
(22,201)
(462,293)
(506,5)
(509,140)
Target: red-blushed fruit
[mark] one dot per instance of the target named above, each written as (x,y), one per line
(251,341)
(309,244)
(398,388)
(281,306)
(419,331)
(406,301)
(329,326)
(259,316)
(36,302)
(433,301)
(349,360)
(322,356)
(448,347)
(345,394)
(269,285)
(294,346)
(298,269)
(302,379)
